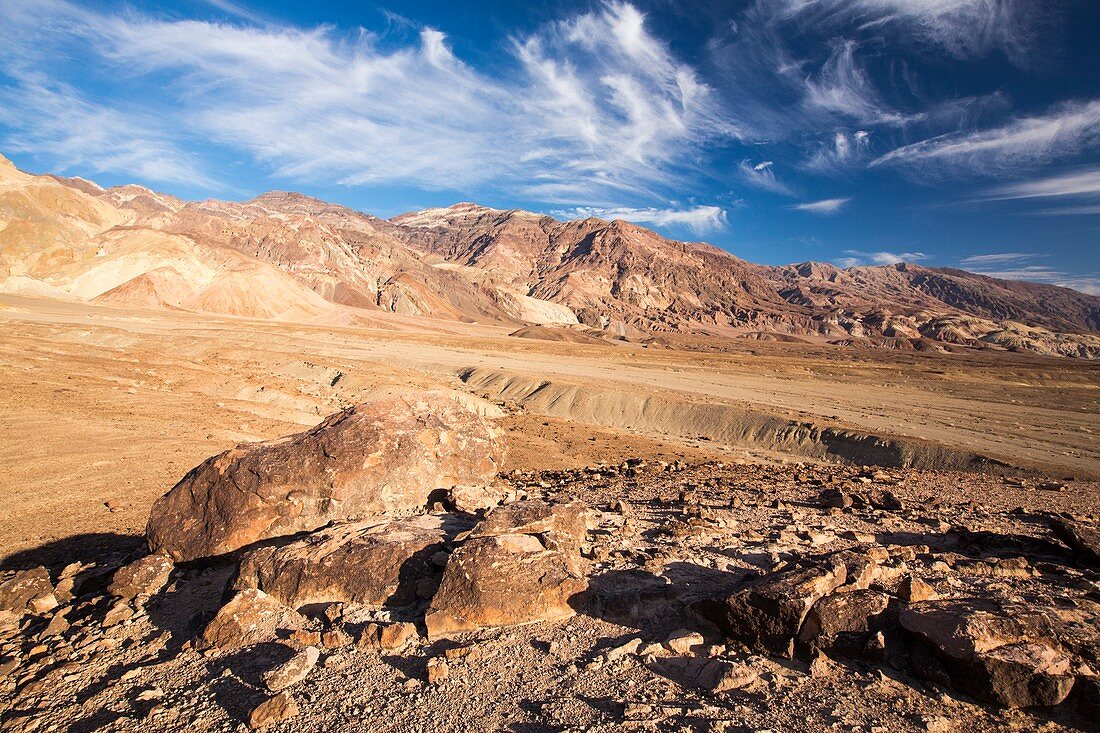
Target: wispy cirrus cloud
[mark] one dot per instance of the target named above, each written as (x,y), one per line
(1020,144)
(594,107)
(699,219)
(997,258)
(762,175)
(964,28)
(1085,282)
(824,206)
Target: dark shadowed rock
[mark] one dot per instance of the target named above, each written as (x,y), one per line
(768,614)
(1002,655)
(1084,539)
(503,580)
(375,458)
(372,562)
(845,620)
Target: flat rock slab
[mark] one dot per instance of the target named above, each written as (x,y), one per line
(373,562)
(375,458)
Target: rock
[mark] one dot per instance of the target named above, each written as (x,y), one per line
(1021,675)
(437,670)
(374,458)
(561,526)
(304,638)
(998,654)
(914,590)
(28,591)
(292,671)
(397,636)
(474,499)
(1083,539)
(768,614)
(335,638)
(250,617)
(683,641)
(885,500)
(57,625)
(835,498)
(144,577)
(716,675)
(273,710)
(843,621)
(503,580)
(371,562)
(116,614)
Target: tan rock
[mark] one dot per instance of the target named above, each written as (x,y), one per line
(273,710)
(503,580)
(437,670)
(143,577)
(28,591)
(914,590)
(397,636)
(248,618)
(292,671)
(371,562)
(374,458)
(474,499)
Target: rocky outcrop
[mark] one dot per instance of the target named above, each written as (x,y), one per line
(250,617)
(1084,539)
(372,562)
(767,616)
(383,456)
(519,565)
(504,580)
(1002,655)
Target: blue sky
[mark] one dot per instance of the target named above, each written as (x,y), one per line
(961,133)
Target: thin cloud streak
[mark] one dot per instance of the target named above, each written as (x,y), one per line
(699,219)
(1023,143)
(825,206)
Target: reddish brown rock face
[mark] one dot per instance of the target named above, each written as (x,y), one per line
(504,580)
(375,458)
(372,562)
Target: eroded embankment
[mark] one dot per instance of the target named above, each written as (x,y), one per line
(716,421)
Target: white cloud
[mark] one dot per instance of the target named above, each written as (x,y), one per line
(762,175)
(859,257)
(54,120)
(699,219)
(843,151)
(593,107)
(825,206)
(1077,184)
(997,258)
(1085,282)
(963,27)
(842,87)
(1022,143)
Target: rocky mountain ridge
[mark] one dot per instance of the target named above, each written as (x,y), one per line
(289,256)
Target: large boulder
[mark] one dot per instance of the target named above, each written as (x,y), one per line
(502,580)
(767,615)
(1002,655)
(1084,539)
(372,562)
(842,622)
(374,458)
(519,565)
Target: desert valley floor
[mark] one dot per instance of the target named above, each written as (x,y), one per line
(103,409)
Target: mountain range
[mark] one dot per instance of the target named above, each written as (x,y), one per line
(291,257)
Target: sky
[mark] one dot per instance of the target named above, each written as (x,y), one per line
(949,133)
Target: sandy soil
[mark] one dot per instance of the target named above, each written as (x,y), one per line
(103,409)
